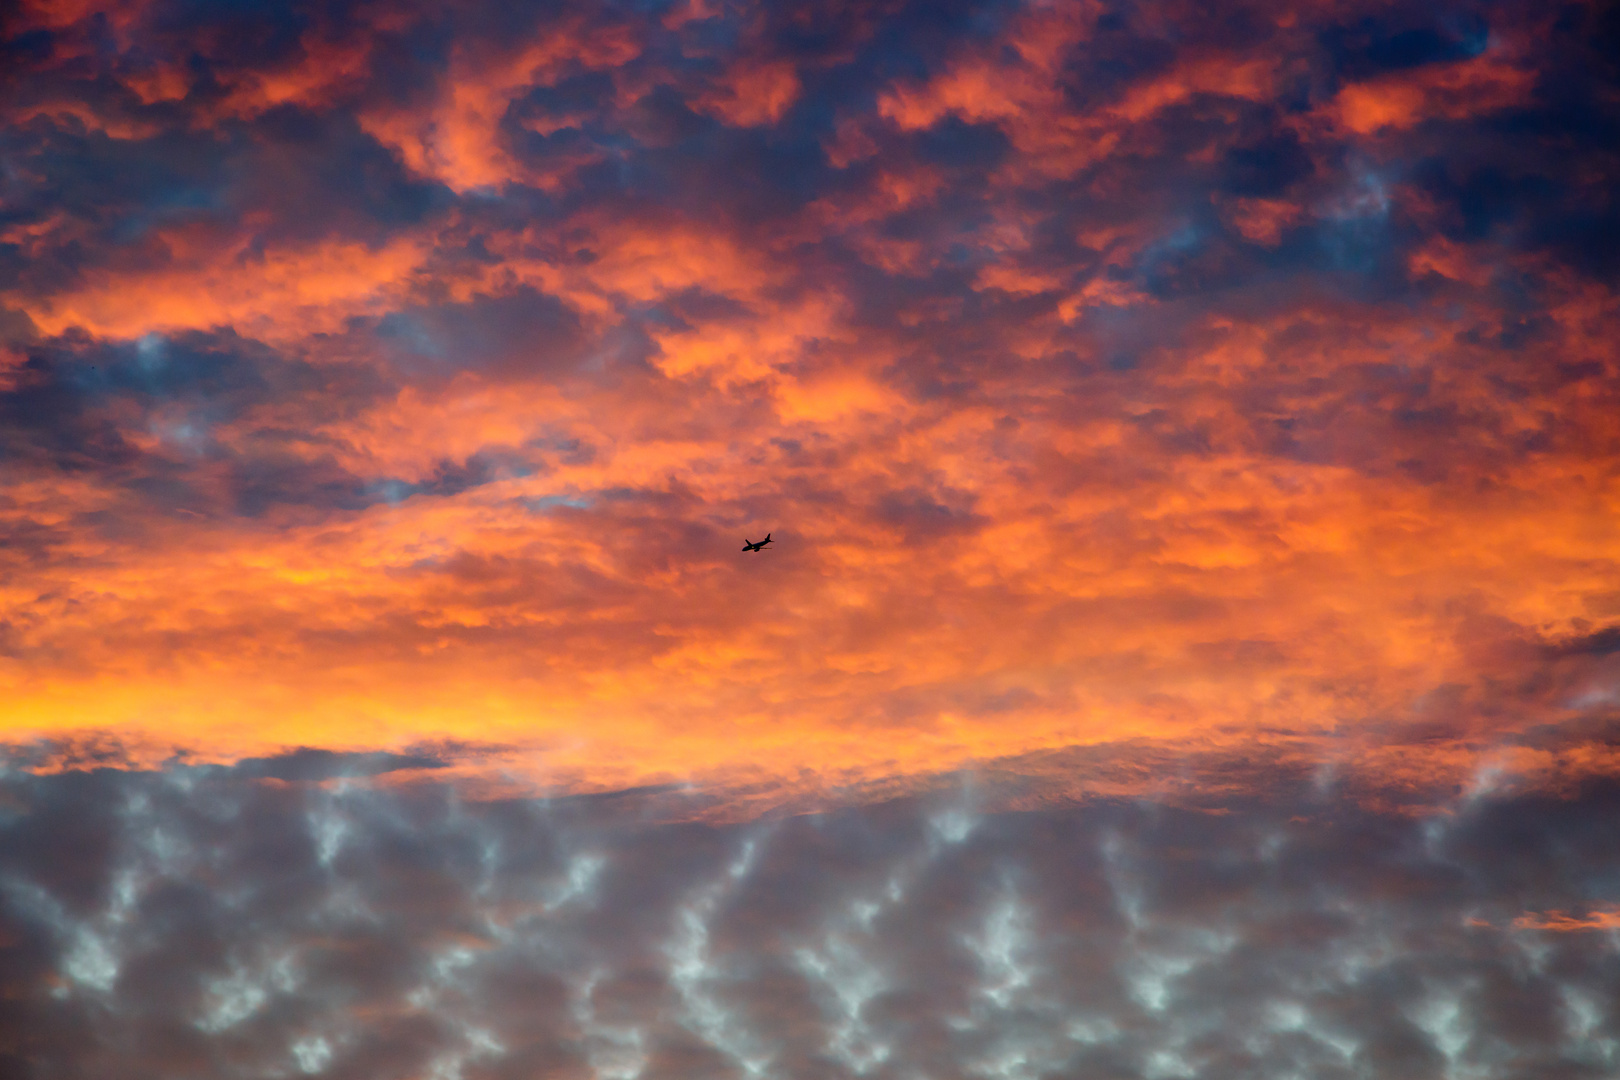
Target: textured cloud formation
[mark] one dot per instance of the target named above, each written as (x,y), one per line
(201,922)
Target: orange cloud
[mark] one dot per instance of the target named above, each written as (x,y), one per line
(1476,87)
(1204,601)
(458,139)
(1564,923)
(1261,221)
(212,280)
(753,94)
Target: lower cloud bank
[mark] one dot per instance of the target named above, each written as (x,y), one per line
(212,923)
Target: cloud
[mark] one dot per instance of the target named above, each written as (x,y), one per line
(313,764)
(1563,922)
(194,919)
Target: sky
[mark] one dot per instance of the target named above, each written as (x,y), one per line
(1190,440)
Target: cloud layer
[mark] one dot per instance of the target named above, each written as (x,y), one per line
(223,923)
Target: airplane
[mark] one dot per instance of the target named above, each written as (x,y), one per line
(749,545)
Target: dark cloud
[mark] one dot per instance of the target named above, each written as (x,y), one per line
(310,763)
(1604,642)
(217,404)
(193,920)
(318,174)
(43,419)
(1373,46)
(920,519)
(107,201)
(524,333)
(1267,166)
(1100,68)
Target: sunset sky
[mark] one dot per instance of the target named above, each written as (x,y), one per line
(1190,438)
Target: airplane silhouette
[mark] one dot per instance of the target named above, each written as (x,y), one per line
(749,545)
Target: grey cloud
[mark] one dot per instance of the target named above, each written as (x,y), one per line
(311,763)
(193,922)
(79,404)
(522,333)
